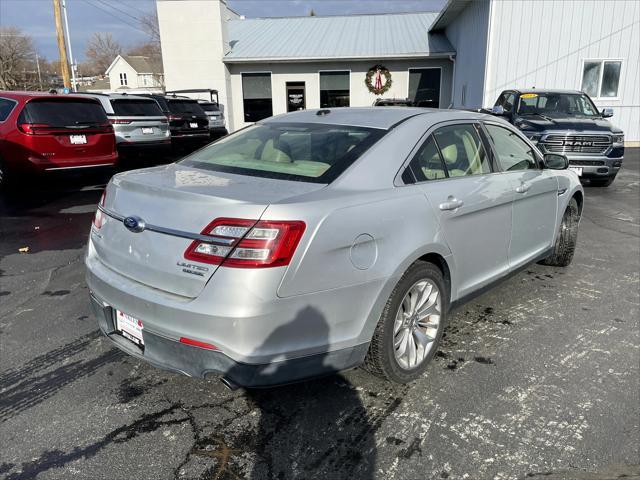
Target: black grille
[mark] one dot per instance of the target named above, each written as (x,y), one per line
(590,163)
(588,144)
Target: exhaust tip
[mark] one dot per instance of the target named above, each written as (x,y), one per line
(229,384)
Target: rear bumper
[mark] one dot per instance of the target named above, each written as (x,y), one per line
(596,166)
(44,165)
(152,145)
(169,354)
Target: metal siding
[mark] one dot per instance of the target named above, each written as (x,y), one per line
(335,37)
(543,44)
(468,35)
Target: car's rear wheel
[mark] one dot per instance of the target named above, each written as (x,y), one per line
(601,182)
(566,239)
(411,325)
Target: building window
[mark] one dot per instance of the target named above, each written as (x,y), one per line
(123,79)
(334,89)
(256,94)
(600,78)
(424,87)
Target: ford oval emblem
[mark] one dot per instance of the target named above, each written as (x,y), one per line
(134,224)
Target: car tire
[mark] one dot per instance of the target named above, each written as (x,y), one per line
(602,182)
(567,237)
(383,358)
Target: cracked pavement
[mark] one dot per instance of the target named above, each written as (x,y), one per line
(538,378)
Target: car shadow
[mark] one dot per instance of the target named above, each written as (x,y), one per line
(311,429)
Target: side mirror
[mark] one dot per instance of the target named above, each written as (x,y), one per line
(498,110)
(554,161)
(607,112)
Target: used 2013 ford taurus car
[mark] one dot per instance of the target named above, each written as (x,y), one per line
(320,240)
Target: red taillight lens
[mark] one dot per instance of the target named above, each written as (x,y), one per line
(31,128)
(174,117)
(196,343)
(98,220)
(257,244)
(117,121)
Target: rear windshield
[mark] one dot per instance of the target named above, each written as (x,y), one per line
(62,113)
(136,108)
(185,106)
(301,152)
(209,107)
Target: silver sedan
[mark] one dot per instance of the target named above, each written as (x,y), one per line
(320,240)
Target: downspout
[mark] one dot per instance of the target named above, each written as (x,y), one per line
(453,80)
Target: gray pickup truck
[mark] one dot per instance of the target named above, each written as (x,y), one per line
(567,122)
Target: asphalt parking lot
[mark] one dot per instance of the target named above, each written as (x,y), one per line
(538,378)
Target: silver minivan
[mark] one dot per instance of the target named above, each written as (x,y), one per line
(138,122)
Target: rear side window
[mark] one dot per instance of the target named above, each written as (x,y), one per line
(136,108)
(209,107)
(512,152)
(302,152)
(427,163)
(185,106)
(63,113)
(6,106)
(462,150)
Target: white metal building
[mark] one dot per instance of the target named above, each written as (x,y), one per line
(463,56)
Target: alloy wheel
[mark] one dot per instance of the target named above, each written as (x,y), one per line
(416,324)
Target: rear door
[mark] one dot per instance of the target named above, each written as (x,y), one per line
(472,203)
(535,194)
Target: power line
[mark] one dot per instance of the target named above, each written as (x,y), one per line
(130,5)
(88,2)
(117,9)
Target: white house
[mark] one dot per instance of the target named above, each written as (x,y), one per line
(134,72)
(461,57)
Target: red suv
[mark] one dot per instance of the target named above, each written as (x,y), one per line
(43,132)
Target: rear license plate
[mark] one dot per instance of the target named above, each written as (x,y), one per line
(129,327)
(578,170)
(78,139)
(147,130)
(193,125)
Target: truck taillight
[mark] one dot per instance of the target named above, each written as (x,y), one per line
(98,220)
(255,244)
(119,121)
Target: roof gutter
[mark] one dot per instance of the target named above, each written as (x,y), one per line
(332,59)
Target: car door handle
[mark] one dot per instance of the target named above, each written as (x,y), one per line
(523,188)
(451,204)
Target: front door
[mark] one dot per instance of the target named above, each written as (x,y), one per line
(535,195)
(295,96)
(424,87)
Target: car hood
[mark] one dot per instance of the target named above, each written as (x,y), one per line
(577,124)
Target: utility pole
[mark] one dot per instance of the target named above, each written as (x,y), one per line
(38,67)
(62,48)
(66,28)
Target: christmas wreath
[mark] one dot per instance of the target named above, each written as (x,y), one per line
(374,79)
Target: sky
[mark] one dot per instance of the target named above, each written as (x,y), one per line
(120,17)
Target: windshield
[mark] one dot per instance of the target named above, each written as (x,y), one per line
(556,105)
(185,106)
(64,112)
(302,152)
(136,108)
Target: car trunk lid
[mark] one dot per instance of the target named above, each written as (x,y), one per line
(176,202)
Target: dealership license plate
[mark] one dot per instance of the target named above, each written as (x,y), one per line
(578,170)
(147,130)
(193,125)
(129,327)
(78,139)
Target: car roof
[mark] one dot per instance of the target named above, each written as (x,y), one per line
(370,117)
(544,90)
(18,95)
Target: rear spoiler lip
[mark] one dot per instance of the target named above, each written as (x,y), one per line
(221,241)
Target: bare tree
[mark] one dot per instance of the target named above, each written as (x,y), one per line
(17,60)
(149,25)
(102,50)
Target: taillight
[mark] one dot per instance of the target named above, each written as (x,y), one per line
(98,220)
(174,117)
(256,244)
(197,343)
(31,128)
(118,121)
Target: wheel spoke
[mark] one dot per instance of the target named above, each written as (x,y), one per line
(425,293)
(422,338)
(397,324)
(413,351)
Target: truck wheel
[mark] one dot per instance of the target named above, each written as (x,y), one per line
(411,325)
(602,182)
(566,239)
